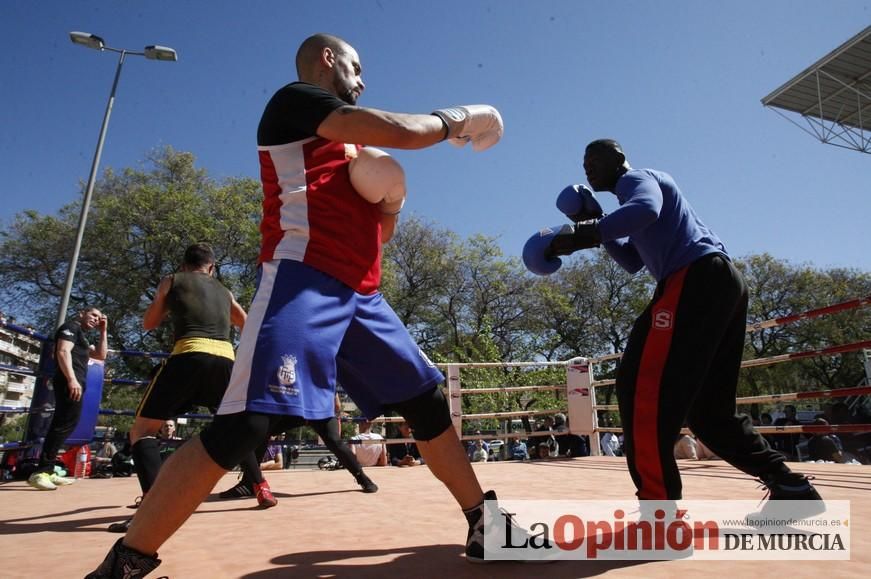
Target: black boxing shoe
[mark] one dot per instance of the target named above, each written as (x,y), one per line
(366,483)
(121,527)
(475,538)
(124,563)
(478,516)
(240,491)
(784,489)
(789,486)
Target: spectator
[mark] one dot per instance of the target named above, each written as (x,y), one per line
(404,453)
(518,450)
(167,439)
(330,433)
(168,430)
(611,445)
(690,447)
(704,452)
(107,450)
(786,443)
(826,413)
(273,458)
(542,451)
(789,418)
(546,425)
(825,447)
(101,463)
(765,419)
(470,449)
(479,453)
(567,444)
(841,413)
(685,448)
(369,454)
(122,461)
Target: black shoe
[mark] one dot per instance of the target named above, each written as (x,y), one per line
(120,527)
(479,516)
(784,488)
(789,486)
(136,502)
(240,491)
(123,562)
(366,483)
(475,538)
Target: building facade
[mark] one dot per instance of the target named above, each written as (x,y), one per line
(17,350)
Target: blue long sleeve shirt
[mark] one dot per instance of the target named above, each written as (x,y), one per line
(655,226)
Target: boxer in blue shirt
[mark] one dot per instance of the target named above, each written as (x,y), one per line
(684,353)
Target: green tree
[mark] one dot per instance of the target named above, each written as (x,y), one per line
(778,289)
(418,262)
(139,223)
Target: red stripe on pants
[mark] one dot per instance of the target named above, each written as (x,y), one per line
(645,431)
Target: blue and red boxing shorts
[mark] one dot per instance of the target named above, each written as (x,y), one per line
(306,331)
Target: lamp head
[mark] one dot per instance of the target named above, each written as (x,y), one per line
(87,39)
(155,52)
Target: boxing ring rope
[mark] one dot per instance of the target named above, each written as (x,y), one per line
(582,385)
(579,387)
(848,305)
(38,373)
(817,352)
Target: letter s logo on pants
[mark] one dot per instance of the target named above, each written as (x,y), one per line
(662,320)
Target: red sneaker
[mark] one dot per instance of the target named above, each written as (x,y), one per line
(264,495)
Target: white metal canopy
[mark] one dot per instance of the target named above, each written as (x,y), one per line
(832,96)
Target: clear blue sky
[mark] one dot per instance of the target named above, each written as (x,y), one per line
(679,83)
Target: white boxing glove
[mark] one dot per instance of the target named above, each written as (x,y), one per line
(480,124)
(378,178)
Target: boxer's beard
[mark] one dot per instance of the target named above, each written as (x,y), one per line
(346,94)
(349,97)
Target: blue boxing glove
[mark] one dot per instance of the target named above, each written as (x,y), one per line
(540,254)
(571,238)
(579,203)
(537,255)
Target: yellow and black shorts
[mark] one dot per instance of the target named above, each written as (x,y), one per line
(195,374)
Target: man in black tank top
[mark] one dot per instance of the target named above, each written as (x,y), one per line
(198,369)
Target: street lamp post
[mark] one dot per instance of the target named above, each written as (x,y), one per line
(97,43)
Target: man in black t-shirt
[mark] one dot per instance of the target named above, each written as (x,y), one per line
(72,351)
(317,317)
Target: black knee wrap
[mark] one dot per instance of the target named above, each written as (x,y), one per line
(146,461)
(230,437)
(428,414)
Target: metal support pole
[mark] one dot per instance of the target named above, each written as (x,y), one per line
(86,203)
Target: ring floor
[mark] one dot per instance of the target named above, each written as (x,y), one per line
(324,526)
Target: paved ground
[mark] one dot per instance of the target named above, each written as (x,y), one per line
(324,527)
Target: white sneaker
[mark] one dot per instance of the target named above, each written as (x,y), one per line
(41,481)
(59,480)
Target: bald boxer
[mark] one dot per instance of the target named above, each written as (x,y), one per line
(317,316)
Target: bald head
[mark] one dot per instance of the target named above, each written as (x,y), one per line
(604,164)
(605,146)
(309,54)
